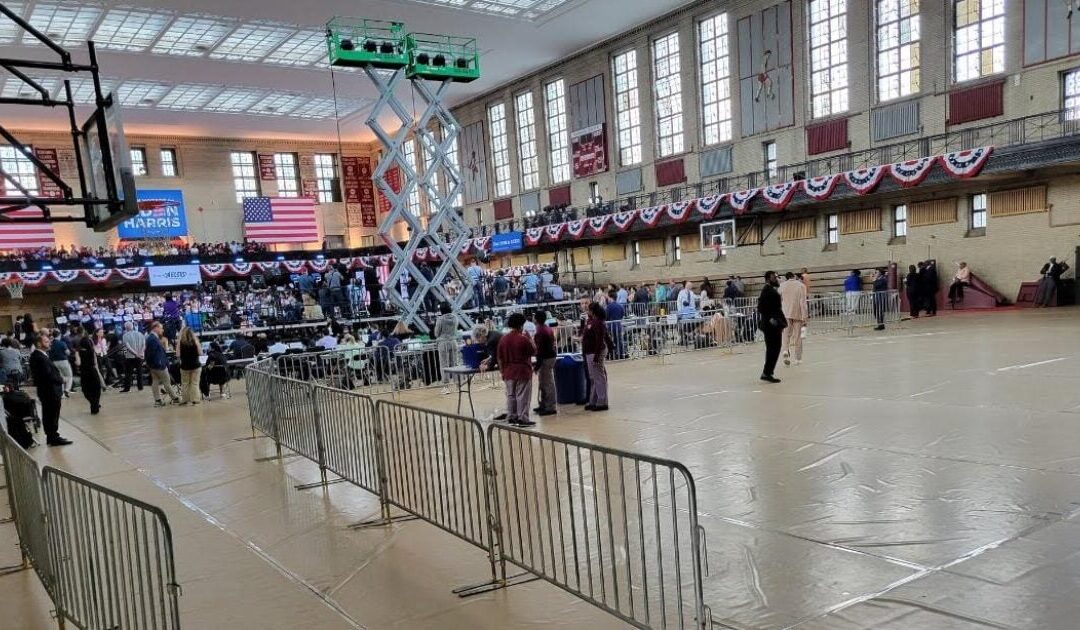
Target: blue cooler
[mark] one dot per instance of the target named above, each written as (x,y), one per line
(570,379)
(472,355)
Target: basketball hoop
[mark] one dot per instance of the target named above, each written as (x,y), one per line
(15,286)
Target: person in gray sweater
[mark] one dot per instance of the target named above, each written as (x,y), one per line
(446,341)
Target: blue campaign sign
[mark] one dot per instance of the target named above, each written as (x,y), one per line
(161,214)
(506,242)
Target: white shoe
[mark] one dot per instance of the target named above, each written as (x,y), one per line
(446,390)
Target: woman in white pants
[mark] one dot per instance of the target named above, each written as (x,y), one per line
(446,341)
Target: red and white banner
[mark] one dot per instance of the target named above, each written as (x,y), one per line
(740,201)
(267,170)
(533,235)
(912,172)
(46,186)
(680,210)
(554,231)
(708,205)
(623,220)
(964,164)
(863,180)
(597,224)
(779,195)
(98,276)
(576,228)
(589,149)
(132,273)
(821,188)
(651,216)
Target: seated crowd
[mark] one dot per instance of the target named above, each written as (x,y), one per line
(141,249)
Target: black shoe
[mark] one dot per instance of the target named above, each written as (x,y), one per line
(501,416)
(523,423)
(546,413)
(58,441)
(124,391)
(879,327)
(536,410)
(599,408)
(589,407)
(769,378)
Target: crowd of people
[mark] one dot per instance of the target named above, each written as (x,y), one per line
(136,250)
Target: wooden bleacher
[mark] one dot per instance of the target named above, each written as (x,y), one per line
(825,279)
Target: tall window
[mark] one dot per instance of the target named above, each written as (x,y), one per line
(409,151)
(676,249)
(245,180)
(979,39)
(21,169)
(500,152)
(897,48)
(138,161)
(635,252)
(978,211)
(528,160)
(558,138)
(900,220)
(828,57)
(627,108)
(594,192)
(769,150)
(168,163)
(667,88)
(288,176)
(832,229)
(1071,92)
(326,177)
(715,79)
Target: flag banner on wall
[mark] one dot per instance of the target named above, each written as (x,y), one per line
(393,179)
(350,178)
(368,214)
(280,220)
(311,189)
(267,171)
(589,148)
(474,163)
(46,186)
(161,215)
(26,235)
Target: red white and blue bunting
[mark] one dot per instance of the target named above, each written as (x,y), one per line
(268,265)
(912,172)
(964,164)
(554,231)
(131,273)
(318,266)
(33,278)
(779,195)
(598,224)
(576,228)
(707,206)
(651,216)
(241,268)
(97,276)
(214,270)
(740,201)
(863,180)
(533,235)
(293,266)
(623,220)
(679,211)
(65,275)
(821,188)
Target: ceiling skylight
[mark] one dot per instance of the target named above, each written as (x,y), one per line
(14,87)
(323,108)
(82,89)
(193,35)
(251,42)
(188,97)
(524,9)
(65,25)
(130,29)
(302,49)
(232,100)
(279,104)
(141,93)
(8,29)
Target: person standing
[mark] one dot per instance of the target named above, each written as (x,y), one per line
(89,375)
(158,364)
(928,282)
(544,338)
(60,354)
(515,355)
(594,347)
(853,290)
(881,294)
(134,345)
(50,390)
(1048,284)
(446,342)
(531,285)
(476,277)
(914,292)
(772,323)
(11,363)
(686,302)
(190,366)
(793,303)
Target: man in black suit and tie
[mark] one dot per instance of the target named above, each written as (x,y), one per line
(771,321)
(50,390)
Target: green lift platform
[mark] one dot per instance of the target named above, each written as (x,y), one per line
(358,42)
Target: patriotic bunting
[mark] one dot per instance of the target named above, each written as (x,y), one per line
(98,276)
(242,269)
(707,206)
(268,265)
(680,210)
(623,220)
(293,266)
(863,180)
(482,243)
(318,266)
(821,188)
(214,270)
(650,216)
(779,195)
(576,228)
(554,231)
(597,224)
(533,235)
(65,275)
(33,278)
(912,172)
(132,273)
(740,201)
(965,164)
(421,254)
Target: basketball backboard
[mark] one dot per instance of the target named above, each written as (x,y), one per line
(718,234)
(107,164)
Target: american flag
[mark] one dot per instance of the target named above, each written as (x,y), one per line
(280,220)
(14,236)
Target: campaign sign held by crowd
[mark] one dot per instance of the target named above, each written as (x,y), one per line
(161,215)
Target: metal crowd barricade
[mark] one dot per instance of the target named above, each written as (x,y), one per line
(112,556)
(350,432)
(27,510)
(615,528)
(260,383)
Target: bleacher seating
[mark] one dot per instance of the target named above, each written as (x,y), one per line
(825,279)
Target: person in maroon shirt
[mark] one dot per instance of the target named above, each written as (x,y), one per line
(594,347)
(515,355)
(545,364)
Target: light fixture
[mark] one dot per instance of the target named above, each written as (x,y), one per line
(386,48)
(369,46)
(423,59)
(439,60)
(347,44)
(194,261)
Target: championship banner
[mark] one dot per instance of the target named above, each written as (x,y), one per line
(161,215)
(589,148)
(393,179)
(46,186)
(350,178)
(368,215)
(311,189)
(267,171)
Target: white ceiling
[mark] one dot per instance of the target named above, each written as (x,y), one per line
(257,68)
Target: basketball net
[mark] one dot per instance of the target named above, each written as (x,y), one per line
(15,288)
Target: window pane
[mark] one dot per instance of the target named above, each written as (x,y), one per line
(828,57)
(500,152)
(168,163)
(528,160)
(244,180)
(138,161)
(667,88)
(558,132)
(627,114)
(21,169)
(978,38)
(288,177)
(715,79)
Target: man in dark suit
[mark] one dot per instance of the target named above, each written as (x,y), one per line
(771,321)
(50,390)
